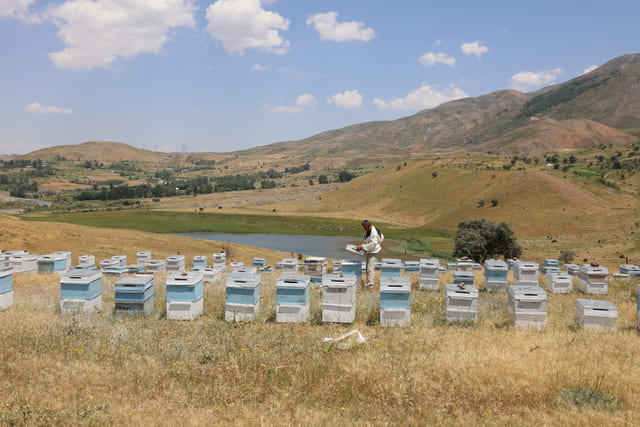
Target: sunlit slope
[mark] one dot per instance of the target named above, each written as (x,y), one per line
(535,202)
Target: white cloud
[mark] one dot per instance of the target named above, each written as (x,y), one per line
(589,69)
(474,48)
(18,9)
(348,99)
(97,32)
(430,59)
(525,80)
(37,108)
(303,101)
(258,67)
(424,97)
(328,27)
(244,24)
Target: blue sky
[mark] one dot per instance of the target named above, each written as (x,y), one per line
(180,75)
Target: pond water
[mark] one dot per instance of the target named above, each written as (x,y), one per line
(323,246)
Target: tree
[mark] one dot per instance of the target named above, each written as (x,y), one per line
(322,179)
(345,176)
(480,239)
(566,256)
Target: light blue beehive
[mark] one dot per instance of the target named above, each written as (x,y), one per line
(496,274)
(259,262)
(463,277)
(554,263)
(242,296)
(184,295)
(53,263)
(292,298)
(81,290)
(352,268)
(572,269)
(411,266)
(135,295)
(390,267)
(6,287)
(200,261)
(395,301)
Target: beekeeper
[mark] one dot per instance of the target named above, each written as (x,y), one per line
(373,239)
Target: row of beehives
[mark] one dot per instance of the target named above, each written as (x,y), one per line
(81,291)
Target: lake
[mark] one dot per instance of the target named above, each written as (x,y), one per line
(323,246)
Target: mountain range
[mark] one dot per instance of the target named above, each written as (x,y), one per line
(600,107)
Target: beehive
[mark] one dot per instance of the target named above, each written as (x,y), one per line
(6,287)
(184,295)
(156,266)
(259,262)
(81,291)
(632,270)
(289,266)
(593,279)
(243,269)
(596,315)
(559,283)
(315,267)
(572,269)
(463,277)
(549,263)
(292,298)
(142,257)
(134,295)
(429,274)
(53,263)
(175,263)
(200,261)
(220,260)
(411,266)
(108,263)
(86,260)
(528,306)
(4,261)
(496,274)
(352,268)
(461,303)
(24,263)
(242,297)
(210,274)
(525,273)
(338,298)
(395,301)
(390,267)
(464,264)
(122,260)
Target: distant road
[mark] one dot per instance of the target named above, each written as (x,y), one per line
(19,199)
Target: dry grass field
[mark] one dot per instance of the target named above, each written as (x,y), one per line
(103,369)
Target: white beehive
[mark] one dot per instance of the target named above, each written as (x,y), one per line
(24,263)
(559,283)
(464,264)
(593,279)
(185,295)
(395,301)
(632,270)
(235,264)
(81,291)
(175,263)
(596,315)
(638,304)
(122,260)
(210,274)
(292,298)
(6,287)
(315,267)
(4,261)
(528,306)
(411,266)
(242,297)
(496,274)
(429,274)
(461,303)
(245,269)
(289,266)
(220,260)
(525,273)
(111,262)
(338,298)
(156,266)
(86,260)
(142,257)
